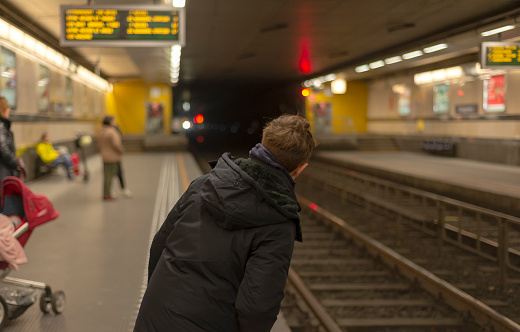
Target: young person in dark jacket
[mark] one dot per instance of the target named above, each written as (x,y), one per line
(219,263)
(9,165)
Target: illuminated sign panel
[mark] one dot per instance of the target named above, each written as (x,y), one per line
(500,55)
(122,26)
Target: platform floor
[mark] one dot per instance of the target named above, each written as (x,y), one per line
(97,252)
(460,176)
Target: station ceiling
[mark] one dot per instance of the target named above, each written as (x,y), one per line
(254,40)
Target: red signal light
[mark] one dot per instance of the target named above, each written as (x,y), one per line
(304,63)
(305,92)
(198,118)
(200,139)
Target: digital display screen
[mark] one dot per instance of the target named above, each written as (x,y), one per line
(500,55)
(122,26)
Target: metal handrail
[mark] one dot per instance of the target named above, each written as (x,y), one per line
(345,120)
(436,286)
(21,230)
(440,205)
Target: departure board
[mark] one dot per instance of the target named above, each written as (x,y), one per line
(121,26)
(500,55)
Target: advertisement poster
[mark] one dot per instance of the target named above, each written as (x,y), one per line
(441,99)
(403,103)
(43,89)
(69,96)
(155,118)
(495,94)
(322,118)
(8,76)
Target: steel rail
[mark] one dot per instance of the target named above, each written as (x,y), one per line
(459,300)
(319,311)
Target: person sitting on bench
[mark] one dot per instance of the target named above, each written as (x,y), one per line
(52,157)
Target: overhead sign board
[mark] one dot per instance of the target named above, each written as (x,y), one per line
(122,26)
(500,55)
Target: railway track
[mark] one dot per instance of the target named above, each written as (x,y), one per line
(490,234)
(351,282)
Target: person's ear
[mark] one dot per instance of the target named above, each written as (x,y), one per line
(298,170)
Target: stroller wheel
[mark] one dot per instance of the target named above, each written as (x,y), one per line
(4,314)
(45,304)
(58,302)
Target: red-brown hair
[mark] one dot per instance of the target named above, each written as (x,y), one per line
(4,105)
(289,139)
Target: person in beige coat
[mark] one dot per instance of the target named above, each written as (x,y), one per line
(111,148)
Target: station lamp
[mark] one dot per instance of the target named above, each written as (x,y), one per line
(338,86)
(186,125)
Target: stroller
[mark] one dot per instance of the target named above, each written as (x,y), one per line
(16,295)
(82,141)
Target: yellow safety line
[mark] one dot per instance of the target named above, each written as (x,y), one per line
(182,168)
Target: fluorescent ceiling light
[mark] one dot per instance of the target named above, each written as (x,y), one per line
(393,59)
(361,69)
(454,72)
(29,43)
(423,78)
(413,54)
(439,75)
(435,48)
(338,86)
(41,49)
(179,3)
(330,77)
(399,88)
(498,30)
(4,29)
(376,64)
(16,35)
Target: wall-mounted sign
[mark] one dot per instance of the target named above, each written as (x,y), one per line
(122,26)
(466,109)
(500,55)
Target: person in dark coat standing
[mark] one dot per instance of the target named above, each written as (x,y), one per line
(9,165)
(220,261)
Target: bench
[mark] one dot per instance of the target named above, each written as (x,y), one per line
(444,146)
(41,168)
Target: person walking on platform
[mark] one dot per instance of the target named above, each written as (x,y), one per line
(221,258)
(9,165)
(111,148)
(126,192)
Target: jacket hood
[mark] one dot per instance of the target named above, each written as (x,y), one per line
(6,122)
(243,193)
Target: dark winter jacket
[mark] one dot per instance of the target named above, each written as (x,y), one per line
(220,261)
(8,161)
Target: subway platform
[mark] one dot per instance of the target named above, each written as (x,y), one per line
(96,251)
(489,185)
